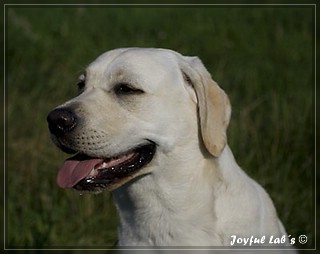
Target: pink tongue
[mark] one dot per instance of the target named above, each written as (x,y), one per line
(74,170)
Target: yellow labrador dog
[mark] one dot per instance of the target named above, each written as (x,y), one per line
(150,126)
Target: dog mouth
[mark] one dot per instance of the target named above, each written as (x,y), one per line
(85,173)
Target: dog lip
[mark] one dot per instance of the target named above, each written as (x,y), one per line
(113,172)
(66,149)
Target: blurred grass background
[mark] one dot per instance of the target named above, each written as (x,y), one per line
(261,56)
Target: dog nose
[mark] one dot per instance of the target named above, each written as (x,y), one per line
(61,121)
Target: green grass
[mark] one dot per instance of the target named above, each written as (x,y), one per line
(262,57)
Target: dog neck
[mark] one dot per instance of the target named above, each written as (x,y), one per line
(155,209)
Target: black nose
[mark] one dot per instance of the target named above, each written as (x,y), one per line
(61,121)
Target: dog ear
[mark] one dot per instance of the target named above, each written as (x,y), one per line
(213,104)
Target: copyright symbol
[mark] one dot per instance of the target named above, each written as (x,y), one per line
(303,239)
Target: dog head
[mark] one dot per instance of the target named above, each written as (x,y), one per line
(133,106)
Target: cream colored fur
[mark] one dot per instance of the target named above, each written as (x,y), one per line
(192,193)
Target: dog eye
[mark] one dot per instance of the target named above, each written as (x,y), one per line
(81,84)
(125,89)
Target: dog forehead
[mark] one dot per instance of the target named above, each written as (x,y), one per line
(135,61)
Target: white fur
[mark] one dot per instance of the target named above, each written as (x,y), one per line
(186,196)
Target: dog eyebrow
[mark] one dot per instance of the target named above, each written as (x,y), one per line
(83,76)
